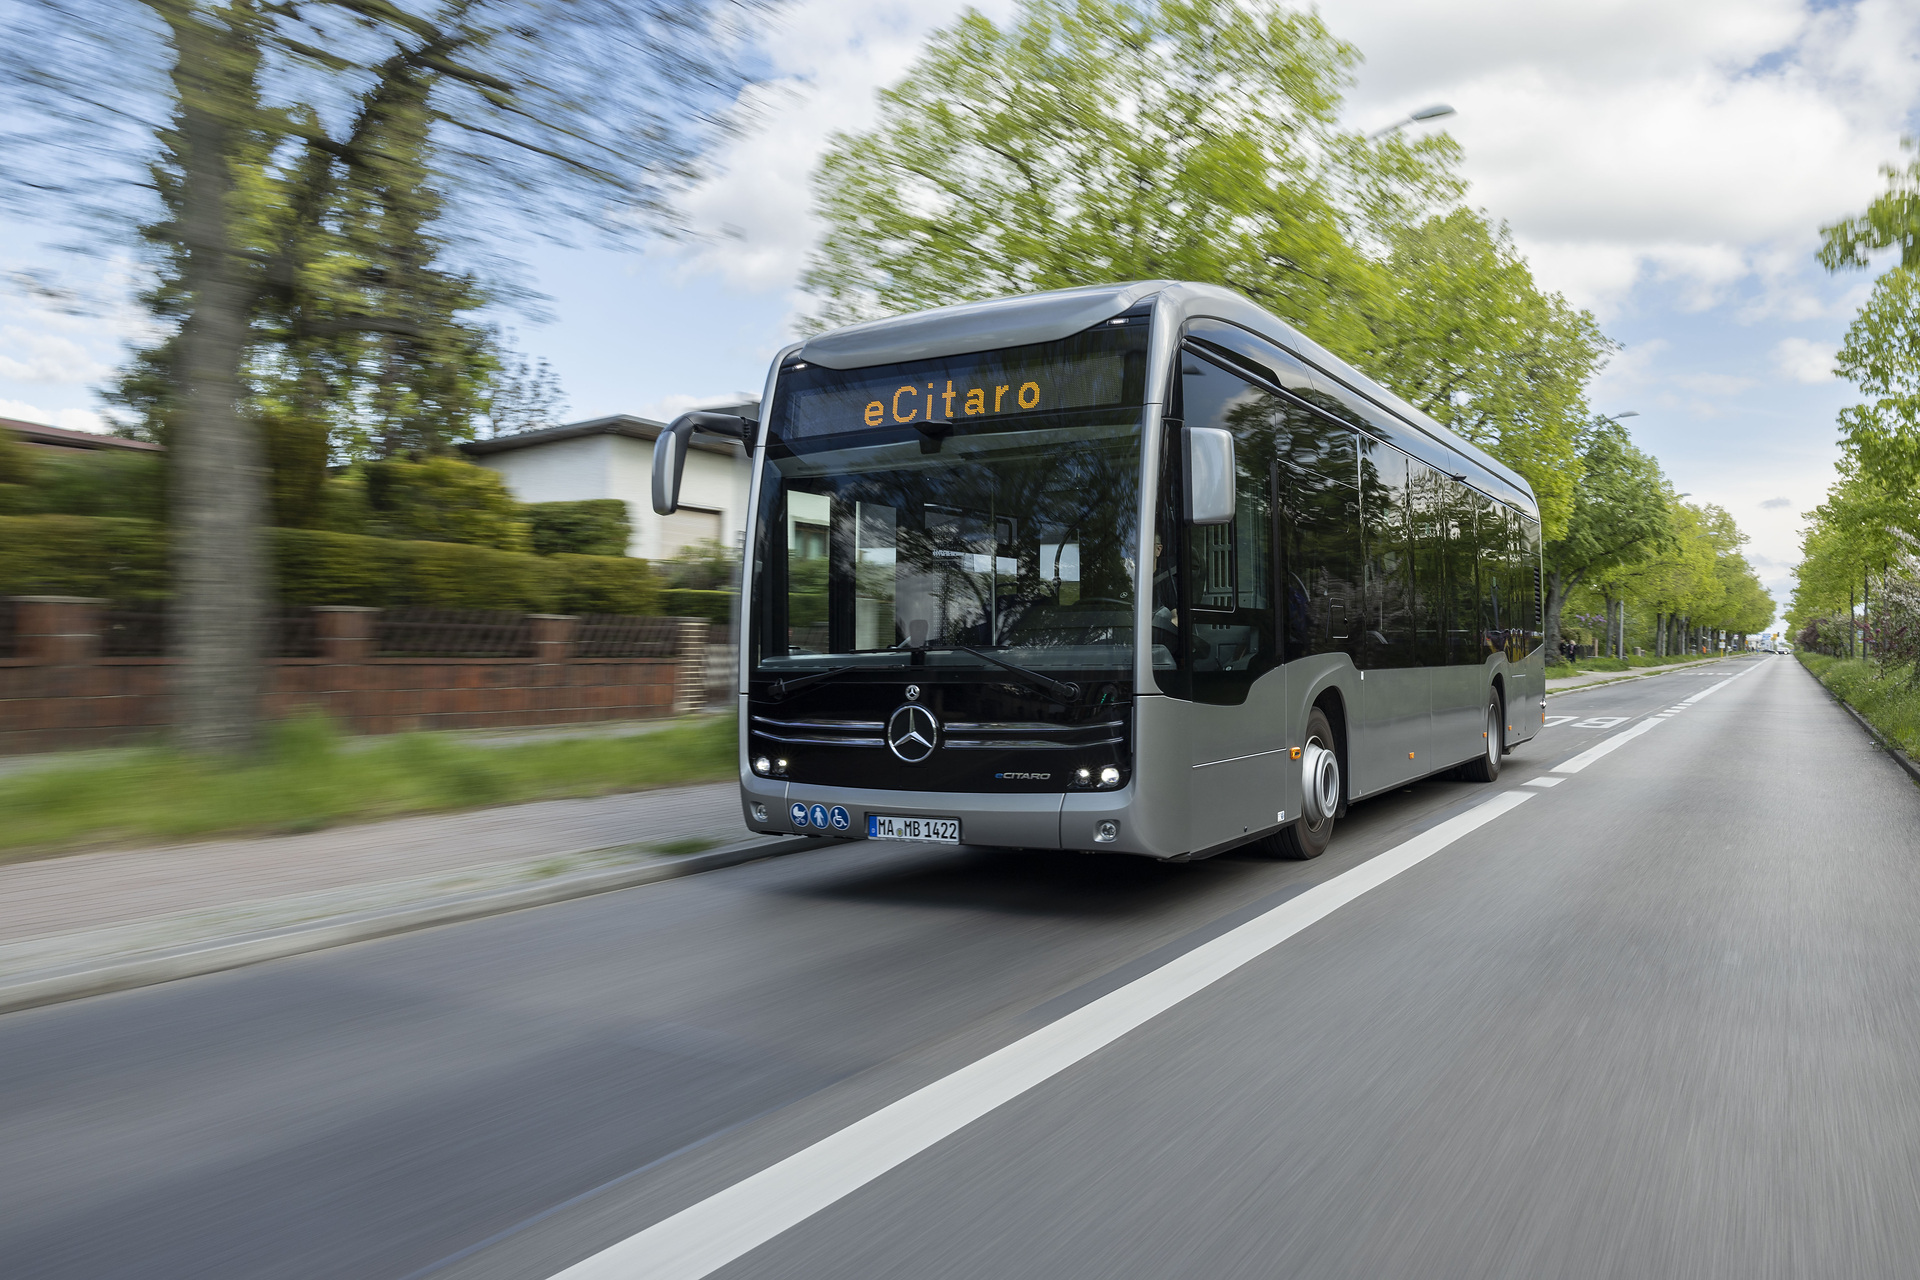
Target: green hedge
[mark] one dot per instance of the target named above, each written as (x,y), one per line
(590,527)
(127,560)
(101,556)
(682,602)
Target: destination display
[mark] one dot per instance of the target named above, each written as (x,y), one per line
(1088,372)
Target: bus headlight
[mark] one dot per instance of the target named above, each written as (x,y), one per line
(1109,777)
(762,766)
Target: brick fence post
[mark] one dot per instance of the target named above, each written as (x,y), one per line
(345,631)
(553,636)
(57,630)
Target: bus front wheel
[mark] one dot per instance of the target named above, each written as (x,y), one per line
(1486,767)
(1312,832)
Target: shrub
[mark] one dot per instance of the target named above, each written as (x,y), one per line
(443,500)
(715,606)
(603,584)
(593,527)
(62,555)
(129,486)
(704,566)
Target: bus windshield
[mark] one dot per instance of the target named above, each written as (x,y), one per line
(899,495)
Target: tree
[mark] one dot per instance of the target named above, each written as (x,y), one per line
(1892,221)
(1100,140)
(582,112)
(1619,517)
(1477,345)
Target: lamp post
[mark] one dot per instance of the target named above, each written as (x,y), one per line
(1433,112)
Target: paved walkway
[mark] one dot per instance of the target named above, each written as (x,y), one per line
(55,909)
(1558,683)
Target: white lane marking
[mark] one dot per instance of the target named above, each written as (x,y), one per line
(1545,782)
(1551,721)
(707,1236)
(1601,722)
(1605,745)
(1620,739)
(1715,688)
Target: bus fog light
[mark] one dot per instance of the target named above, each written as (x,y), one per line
(1106,832)
(1109,777)
(759,812)
(762,766)
(1083,776)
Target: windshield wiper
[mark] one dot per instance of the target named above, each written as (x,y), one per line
(1064,690)
(781,688)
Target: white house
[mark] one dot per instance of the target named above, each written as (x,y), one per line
(613,458)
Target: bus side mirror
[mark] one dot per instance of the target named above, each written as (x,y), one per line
(1210,475)
(670,450)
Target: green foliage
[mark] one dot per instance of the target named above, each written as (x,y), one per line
(317,567)
(1892,221)
(17,463)
(311,777)
(603,584)
(107,558)
(1099,140)
(126,560)
(102,483)
(1476,344)
(704,566)
(1888,698)
(593,527)
(715,606)
(443,500)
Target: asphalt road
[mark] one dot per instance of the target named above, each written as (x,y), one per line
(1659,1019)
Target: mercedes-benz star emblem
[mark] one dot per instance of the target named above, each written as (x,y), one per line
(913,693)
(912,733)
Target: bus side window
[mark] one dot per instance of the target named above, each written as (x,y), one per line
(1387,631)
(1231,629)
(1321,472)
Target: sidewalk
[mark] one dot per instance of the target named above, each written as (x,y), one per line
(187,907)
(1560,683)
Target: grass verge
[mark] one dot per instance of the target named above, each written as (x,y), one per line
(305,780)
(1888,699)
(1558,669)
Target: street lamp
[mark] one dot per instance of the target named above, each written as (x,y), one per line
(1433,112)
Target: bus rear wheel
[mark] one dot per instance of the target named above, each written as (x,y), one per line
(1312,832)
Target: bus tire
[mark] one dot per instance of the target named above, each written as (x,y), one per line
(1306,839)
(1486,767)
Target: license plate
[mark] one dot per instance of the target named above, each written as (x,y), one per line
(882,826)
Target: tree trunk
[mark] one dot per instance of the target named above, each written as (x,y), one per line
(219,471)
(1556,601)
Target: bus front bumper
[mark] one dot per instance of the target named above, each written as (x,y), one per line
(1098,821)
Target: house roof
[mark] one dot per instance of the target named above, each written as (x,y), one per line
(60,438)
(619,424)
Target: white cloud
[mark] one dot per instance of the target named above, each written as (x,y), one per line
(1804,359)
(1712,384)
(71,419)
(31,356)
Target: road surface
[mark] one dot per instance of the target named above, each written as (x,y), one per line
(1660,1018)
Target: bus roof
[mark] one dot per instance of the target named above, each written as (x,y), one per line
(1047,317)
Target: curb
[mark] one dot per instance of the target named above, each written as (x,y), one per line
(1900,757)
(1644,675)
(73,982)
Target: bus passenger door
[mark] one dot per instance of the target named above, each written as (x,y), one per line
(1236,785)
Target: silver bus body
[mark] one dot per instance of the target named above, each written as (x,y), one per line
(1203,777)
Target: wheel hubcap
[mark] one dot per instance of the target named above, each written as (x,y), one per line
(1320,778)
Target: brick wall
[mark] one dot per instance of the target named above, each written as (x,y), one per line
(56,690)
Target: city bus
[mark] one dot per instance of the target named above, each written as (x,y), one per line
(1133,568)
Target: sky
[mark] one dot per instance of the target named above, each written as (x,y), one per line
(1667,165)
